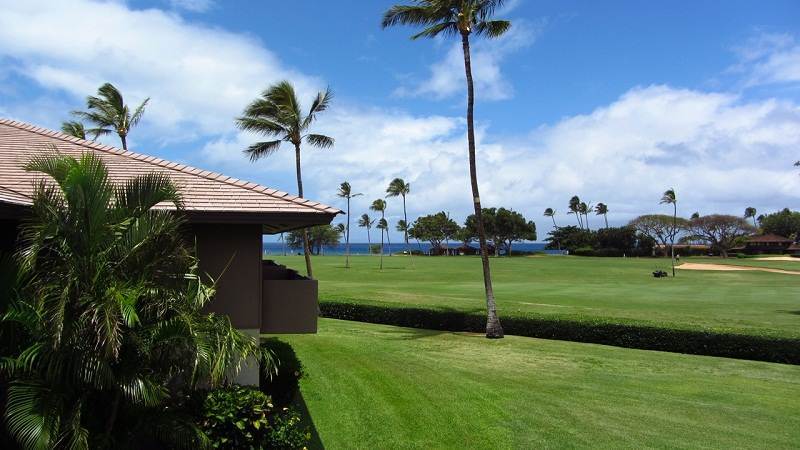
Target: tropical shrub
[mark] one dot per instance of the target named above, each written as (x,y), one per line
(103,315)
(283,382)
(238,417)
(597,331)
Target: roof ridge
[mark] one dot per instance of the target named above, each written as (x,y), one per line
(154,160)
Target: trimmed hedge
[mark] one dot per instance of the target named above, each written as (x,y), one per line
(709,343)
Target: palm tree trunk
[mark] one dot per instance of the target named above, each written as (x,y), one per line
(124,140)
(300,193)
(381,249)
(672,236)
(347,238)
(493,327)
(605,216)
(405,231)
(554,222)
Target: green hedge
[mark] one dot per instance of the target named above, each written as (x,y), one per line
(758,348)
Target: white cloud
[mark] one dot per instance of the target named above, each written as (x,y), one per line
(198,77)
(769,58)
(198,6)
(446,77)
(719,152)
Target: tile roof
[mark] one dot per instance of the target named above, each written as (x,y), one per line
(768,238)
(203,191)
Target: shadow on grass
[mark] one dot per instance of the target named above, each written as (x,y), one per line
(795,312)
(299,403)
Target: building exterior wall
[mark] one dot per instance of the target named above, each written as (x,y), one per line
(237,247)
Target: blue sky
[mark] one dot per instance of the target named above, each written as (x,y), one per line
(613,101)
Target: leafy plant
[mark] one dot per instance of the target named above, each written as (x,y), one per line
(105,309)
(239,417)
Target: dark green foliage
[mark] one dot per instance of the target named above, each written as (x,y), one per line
(317,237)
(238,417)
(104,327)
(283,383)
(595,331)
(434,228)
(614,241)
(503,227)
(784,223)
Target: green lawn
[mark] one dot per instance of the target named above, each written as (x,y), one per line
(375,386)
(611,289)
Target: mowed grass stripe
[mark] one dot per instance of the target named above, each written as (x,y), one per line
(615,290)
(375,386)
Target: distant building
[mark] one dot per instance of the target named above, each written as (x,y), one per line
(767,243)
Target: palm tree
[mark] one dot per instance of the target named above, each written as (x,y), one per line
(345,191)
(695,215)
(277,113)
(383,225)
(461,18)
(575,208)
(602,210)
(398,187)
(74,128)
(379,205)
(551,213)
(669,198)
(366,222)
(583,209)
(751,212)
(108,112)
(108,312)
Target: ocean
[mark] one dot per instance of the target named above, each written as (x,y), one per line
(277,248)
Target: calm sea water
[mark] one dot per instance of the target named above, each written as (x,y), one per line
(277,248)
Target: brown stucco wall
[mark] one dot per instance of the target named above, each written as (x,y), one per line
(239,287)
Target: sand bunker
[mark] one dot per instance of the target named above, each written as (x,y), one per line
(731,268)
(777,258)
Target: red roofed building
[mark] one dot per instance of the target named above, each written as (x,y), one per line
(765,243)
(227,217)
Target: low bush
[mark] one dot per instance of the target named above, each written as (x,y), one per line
(760,348)
(239,417)
(283,383)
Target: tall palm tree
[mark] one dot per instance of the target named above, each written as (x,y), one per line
(398,187)
(383,225)
(346,191)
(695,215)
(551,213)
(751,212)
(277,113)
(108,112)
(575,208)
(74,128)
(583,209)
(366,222)
(379,205)
(602,210)
(461,18)
(669,198)
(108,311)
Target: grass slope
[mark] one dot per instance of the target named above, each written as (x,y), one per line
(610,289)
(377,386)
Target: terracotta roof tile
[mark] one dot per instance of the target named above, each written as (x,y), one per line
(202,190)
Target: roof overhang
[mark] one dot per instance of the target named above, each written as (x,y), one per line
(272,223)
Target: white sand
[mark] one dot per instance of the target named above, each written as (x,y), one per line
(731,268)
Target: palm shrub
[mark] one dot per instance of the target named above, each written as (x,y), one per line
(107,312)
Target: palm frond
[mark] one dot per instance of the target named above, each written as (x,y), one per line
(320,140)
(445,28)
(145,191)
(261,124)
(492,28)
(74,128)
(262,149)
(421,14)
(137,113)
